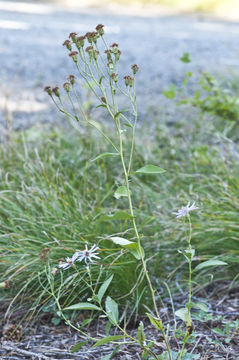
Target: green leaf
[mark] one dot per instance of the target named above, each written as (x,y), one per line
(140,334)
(119,215)
(83,306)
(95,124)
(104,287)
(78,346)
(111,308)
(129,245)
(108,339)
(121,191)
(155,321)
(185,58)
(200,306)
(104,155)
(209,263)
(150,169)
(183,314)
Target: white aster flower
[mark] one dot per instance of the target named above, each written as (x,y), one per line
(86,254)
(67,264)
(185,210)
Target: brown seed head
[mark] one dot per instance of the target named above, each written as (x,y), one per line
(129,80)
(73,36)
(56,91)
(114,77)
(100,29)
(108,52)
(67,43)
(114,45)
(89,49)
(80,41)
(103,99)
(135,68)
(92,37)
(71,78)
(117,54)
(66,86)
(73,55)
(48,90)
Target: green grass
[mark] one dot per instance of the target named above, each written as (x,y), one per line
(53,196)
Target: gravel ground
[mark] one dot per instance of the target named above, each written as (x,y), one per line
(32,55)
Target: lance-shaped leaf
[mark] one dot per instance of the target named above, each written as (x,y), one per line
(105,155)
(150,169)
(209,263)
(111,308)
(108,339)
(118,215)
(83,306)
(79,345)
(155,321)
(133,247)
(104,287)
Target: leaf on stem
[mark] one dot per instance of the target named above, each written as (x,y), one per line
(133,247)
(150,169)
(111,308)
(209,263)
(83,306)
(104,287)
(155,321)
(79,345)
(121,191)
(104,155)
(119,215)
(107,339)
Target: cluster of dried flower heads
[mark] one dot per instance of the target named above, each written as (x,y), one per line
(90,55)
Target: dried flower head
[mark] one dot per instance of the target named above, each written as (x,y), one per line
(135,68)
(80,41)
(89,49)
(117,54)
(67,43)
(73,55)
(73,36)
(114,77)
(129,80)
(66,86)
(44,253)
(114,45)
(48,90)
(56,91)
(71,78)
(92,37)
(185,210)
(54,271)
(108,52)
(100,29)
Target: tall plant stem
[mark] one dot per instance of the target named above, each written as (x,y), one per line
(126,174)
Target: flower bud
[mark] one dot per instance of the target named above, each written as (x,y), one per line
(54,271)
(73,36)
(66,86)
(103,99)
(56,91)
(73,55)
(67,43)
(135,68)
(5,284)
(48,90)
(71,78)
(100,29)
